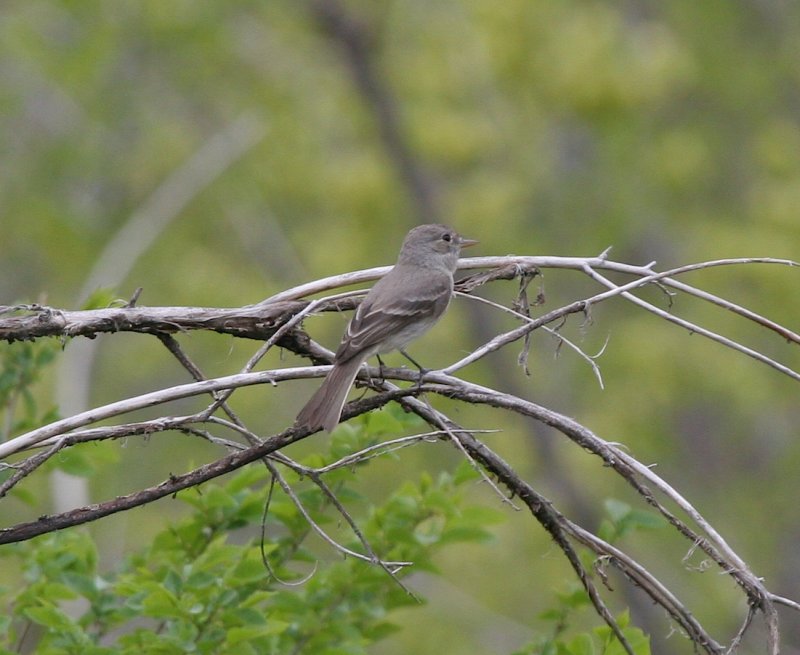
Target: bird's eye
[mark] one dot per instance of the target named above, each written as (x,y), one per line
(447,236)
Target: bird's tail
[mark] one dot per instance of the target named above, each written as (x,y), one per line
(324,408)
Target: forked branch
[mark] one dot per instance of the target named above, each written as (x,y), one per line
(277,322)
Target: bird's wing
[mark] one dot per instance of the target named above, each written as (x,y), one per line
(385,313)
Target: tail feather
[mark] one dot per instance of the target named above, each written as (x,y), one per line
(324,409)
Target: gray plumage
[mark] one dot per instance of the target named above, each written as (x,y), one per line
(402,306)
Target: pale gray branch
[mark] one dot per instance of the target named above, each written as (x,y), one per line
(277,321)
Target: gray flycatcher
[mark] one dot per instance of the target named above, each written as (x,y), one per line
(402,305)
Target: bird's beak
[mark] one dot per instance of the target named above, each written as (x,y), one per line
(466,243)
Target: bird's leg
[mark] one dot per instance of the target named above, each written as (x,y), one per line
(380,368)
(422,369)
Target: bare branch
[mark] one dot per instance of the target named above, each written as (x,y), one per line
(694,328)
(590,359)
(277,321)
(255,322)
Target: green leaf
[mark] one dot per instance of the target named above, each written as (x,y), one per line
(607,531)
(99,298)
(429,531)
(160,603)
(49,616)
(581,644)
(172,582)
(214,497)
(382,630)
(646,520)
(574,599)
(638,640)
(74,462)
(250,569)
(624,520)
(236,636)
(624,619)
(25,496)
(465,472)
(467,533)
(246,478)
(55,591)
(616,509)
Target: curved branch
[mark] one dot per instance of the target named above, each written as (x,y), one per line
(277,321)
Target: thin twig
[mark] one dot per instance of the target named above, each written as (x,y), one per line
(694,328)
(590,359)
(287,489)
(285,312)
(28,466)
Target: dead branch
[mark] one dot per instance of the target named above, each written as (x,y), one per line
(254,322)
(277,321)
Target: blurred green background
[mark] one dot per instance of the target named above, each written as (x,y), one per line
(215,153)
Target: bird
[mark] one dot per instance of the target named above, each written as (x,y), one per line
(401,306)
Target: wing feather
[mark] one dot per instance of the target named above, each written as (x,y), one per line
(386,313)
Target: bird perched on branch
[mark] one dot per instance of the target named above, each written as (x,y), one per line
(402,306)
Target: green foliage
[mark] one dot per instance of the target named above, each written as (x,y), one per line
(560,640)
(209,585)
(667,130)
(100,298)
(623,519)
(599,641)
(21,366)
(202,587)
